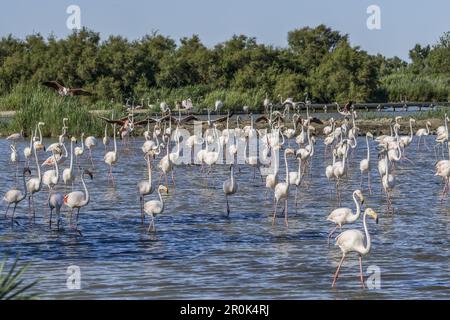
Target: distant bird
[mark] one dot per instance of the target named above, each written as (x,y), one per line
(155,207)
(15,137)
(217,106)
(187,105)
(353,241)
(15,196)
(65,91)
(230,187)
(423,132)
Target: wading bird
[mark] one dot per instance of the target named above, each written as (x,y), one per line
(353,241)
(155,207)
(78,199)
(15,196)
(341,216)
(230,187)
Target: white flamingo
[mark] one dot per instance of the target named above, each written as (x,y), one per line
(353,241)
(111,157)
(78,199)
(364,165)
(422,132)
(15,196)
(34,184)
(145,187)
(230,187)
(281,191)
(90,143)
(68,175)
(341,216)
(155,207)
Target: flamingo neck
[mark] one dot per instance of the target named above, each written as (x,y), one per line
(87,196)
(366,249)
(355,216)
(287,168)
(368,148)
(149,168)
(411,130)
(37,165)
(114,138)
(71,156)
(25,188)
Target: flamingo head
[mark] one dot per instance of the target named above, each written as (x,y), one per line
(371,214)
(163,188)
(359,194)
(86,171)
(26,170)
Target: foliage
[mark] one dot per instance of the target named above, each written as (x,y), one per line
(318,61)
(12,285)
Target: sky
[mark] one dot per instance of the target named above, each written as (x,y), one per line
(403,23)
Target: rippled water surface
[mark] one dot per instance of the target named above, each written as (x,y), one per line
(199,253)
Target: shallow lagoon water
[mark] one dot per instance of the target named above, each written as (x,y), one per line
(198,253)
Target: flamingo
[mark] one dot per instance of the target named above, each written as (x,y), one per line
(166,166)
(34,184)
(281,191)
(39,144)
(55,202)
(364,165)
(353,241)
(14,157)
(79,150)
(16,196)
(423,132)
(78,199)
(106,139)
(406,140)
(295,178)
(90,143)
(341,216)
(145,187)
(111,157)
(155,207)
(51,177)
(15,137)
(272,178)
(211,157)
(388,183)
(27,152)
(230,187)
(68,176)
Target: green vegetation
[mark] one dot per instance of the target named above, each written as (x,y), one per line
(318,61)
(12,285)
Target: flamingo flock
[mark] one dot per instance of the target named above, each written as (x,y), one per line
(287,134)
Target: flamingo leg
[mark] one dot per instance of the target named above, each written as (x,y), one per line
(173,180)
(7,209)
(274,211)
(331,233)
(228,206)
(50,221)
(286,213)
(141,202)
(361,273)
(12,217)
(337,271)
